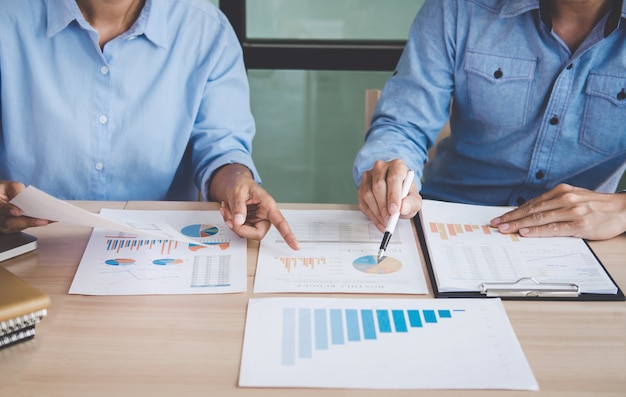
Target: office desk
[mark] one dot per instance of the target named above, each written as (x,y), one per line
(190,345)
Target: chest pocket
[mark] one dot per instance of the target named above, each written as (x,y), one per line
(499,88)
(604,118)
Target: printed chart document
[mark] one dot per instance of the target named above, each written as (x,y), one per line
(37,204)
(339,254)
(465,252)
(382,344)
(121,263)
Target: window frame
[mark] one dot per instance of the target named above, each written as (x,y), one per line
(349,55)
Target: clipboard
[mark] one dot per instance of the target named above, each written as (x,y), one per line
(525,288)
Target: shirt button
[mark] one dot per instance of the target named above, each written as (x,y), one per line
(104,70)
(554,120)
(539,175)
(520,200)
(498,73)
(570,66)
(621,95)
(103,119)
(99,166)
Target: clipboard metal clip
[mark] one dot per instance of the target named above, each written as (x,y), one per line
(529,287)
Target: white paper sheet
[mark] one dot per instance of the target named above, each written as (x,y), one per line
(37,204)
(466,252)
(121,263)
(339,254)
(382,344)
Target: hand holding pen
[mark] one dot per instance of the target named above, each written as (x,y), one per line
(393,219)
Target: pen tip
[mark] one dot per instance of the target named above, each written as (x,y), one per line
(381,255)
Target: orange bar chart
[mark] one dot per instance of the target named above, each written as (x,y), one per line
(448,230)
(308,262)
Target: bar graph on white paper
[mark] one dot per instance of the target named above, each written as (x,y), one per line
(465,252)
(339,253)
(406,343)
(121,263)
(308,330)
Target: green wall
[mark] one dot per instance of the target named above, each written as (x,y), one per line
(309,127)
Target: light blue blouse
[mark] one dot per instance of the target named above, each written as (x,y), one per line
(149,117)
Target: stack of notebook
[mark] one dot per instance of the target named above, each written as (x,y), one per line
(21,307)
(14,244)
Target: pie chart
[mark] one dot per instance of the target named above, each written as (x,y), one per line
(167,261)
(199,230)
(369,264)
(119,262)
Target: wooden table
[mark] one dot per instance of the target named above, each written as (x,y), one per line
(190,345)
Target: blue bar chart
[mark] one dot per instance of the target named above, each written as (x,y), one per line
(374,343)
(132,244)
(306,330)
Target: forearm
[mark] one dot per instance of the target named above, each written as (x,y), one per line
(621,198)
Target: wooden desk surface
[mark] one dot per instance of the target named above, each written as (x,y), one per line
(190,345)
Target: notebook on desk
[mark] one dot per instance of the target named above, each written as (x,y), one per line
(465,257)
(14,244)
(21,307)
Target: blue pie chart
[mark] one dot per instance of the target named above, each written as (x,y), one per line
(119,262)
(199,230)
(369,264)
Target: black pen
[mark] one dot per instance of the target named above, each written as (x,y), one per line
(393,220)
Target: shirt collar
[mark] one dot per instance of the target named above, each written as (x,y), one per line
(615,18)
(151,21)
(514,8)
(59,15)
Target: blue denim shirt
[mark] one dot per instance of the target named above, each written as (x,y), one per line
(149,117)
(527,114)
